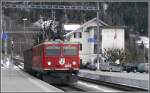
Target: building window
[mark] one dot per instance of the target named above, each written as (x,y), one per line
(95,48)
(80,35)
(80,46)
(74,35)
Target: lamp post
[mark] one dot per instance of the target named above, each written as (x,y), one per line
(24,25)
(143,51)
(98,37)
(142,45)
(1,30)
(144,54)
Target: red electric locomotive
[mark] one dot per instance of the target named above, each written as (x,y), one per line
(54,59)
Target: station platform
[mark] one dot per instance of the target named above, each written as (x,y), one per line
(15,80)
(138,80)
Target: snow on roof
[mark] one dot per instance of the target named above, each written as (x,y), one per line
(88,22)
(71,26)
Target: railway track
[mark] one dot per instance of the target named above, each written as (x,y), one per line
(85,84)
(114,86)
(67,88)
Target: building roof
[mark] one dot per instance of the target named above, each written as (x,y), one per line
(101,23)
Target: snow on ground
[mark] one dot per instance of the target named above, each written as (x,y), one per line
(6,64)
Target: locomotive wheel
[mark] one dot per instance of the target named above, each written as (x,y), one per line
(39,75)
(34,73)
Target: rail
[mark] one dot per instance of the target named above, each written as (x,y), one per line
(115,86)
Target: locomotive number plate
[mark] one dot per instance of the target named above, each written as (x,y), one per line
(67,65)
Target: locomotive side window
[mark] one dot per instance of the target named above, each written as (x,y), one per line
(53,50)
(34,52)
(40,51)
(70,50)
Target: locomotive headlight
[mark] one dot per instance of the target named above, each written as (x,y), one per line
(74,62)
(49,63)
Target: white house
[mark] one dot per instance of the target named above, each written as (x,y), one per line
(86,35)
(113,37)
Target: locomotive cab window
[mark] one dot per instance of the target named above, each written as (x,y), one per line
(53,50)
(70,50)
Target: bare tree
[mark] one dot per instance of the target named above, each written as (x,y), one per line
(114,54)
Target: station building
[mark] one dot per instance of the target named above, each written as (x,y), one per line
(111,37)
